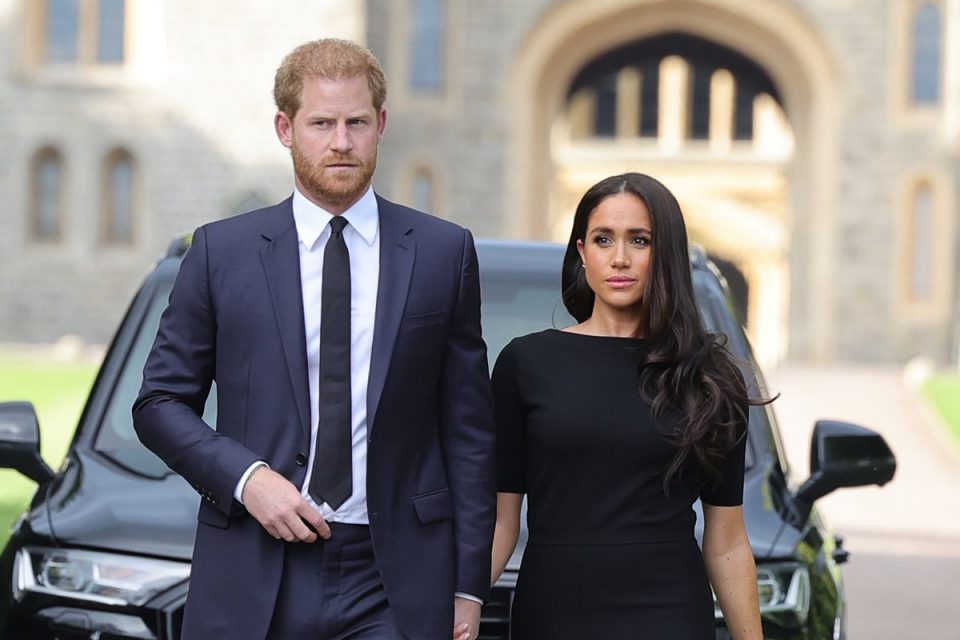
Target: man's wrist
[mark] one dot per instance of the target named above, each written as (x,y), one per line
(468,596)
(238,491)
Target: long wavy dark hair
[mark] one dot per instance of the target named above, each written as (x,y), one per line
(689,378)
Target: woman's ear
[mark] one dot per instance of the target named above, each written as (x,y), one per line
(580,251)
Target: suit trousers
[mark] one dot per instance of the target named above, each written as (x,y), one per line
(332,590)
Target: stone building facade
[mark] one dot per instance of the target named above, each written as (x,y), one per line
(812,143)
(190,110)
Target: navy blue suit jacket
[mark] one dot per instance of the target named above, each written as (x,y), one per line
(236,316)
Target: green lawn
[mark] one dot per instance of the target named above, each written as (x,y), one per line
(943,391)
(57,391)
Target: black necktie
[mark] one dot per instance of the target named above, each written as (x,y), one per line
(332,479)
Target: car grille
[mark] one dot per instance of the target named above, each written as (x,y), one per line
(495,615)
(494,619)
(170,613)
(174,624)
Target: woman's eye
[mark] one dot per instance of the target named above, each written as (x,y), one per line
(602,240)
(641,241)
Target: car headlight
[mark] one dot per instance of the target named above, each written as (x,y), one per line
(784,590)
(98,577)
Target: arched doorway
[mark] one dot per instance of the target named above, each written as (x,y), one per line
(783,244)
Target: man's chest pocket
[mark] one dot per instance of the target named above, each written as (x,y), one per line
(422,339)
(434,319)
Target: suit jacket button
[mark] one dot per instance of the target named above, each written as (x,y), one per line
(301,459)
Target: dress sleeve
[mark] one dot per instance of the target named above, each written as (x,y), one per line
(511,424)
(729,493)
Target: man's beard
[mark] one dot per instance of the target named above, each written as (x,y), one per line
(333,187)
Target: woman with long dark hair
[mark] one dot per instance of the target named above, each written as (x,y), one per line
(613,428)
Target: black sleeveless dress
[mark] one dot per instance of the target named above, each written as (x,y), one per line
(609,555)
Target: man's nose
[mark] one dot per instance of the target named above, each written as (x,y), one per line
(341,139)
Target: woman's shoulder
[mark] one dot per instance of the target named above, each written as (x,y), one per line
(528,343)
(531,344)
(522,349)
(564,340)
(535,338)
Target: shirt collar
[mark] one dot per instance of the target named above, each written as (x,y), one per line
(311,220)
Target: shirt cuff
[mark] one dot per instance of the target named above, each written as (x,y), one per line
(238,492)
(467,596)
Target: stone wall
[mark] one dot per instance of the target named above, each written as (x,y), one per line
(196,112)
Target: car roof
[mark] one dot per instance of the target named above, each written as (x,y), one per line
(531,255)
(509,260)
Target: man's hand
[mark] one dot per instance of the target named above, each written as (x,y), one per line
(466,619)
(280,509)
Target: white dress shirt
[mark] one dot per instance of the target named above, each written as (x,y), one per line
(362,236)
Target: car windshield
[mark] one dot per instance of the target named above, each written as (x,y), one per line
(513,305)
(514,308)
(116,438)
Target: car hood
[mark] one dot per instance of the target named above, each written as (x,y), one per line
(97,504)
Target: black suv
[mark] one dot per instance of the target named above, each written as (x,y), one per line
(104,549)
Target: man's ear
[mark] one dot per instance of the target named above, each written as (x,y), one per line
(381,124)
(283,125)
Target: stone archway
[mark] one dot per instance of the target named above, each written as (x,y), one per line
(779,39)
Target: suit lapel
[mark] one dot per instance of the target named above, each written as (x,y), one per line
(397,253)
(281,263)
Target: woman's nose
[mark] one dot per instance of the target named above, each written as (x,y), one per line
(620,256)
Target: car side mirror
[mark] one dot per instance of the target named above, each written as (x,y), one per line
(20,441)
(843,455)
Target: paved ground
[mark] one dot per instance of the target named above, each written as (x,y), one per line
(903,580)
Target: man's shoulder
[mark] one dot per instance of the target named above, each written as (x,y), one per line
(419,220)
(271,219)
